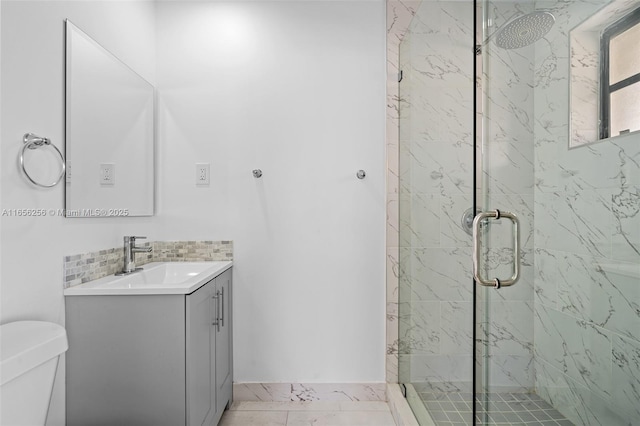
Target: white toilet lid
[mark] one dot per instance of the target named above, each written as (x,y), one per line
(26,344)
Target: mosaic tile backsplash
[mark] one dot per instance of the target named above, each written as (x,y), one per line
(81,268)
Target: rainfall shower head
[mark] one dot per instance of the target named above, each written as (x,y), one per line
(524,30)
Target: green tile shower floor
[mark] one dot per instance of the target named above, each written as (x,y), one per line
(454,408)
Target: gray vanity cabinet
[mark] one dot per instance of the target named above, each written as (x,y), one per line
(209,349)
(157,359)
(224,352)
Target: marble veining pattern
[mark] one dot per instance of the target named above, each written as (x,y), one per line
(436,176)
(307,392)
(587,297)
(308,413)
(399,16)
(586,218)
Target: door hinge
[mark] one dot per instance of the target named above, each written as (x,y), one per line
(400,75)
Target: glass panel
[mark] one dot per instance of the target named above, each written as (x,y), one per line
(624,55)
(625,110)
(561,345)
(504,317)
(436,188)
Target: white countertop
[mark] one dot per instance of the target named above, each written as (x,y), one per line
(155,278)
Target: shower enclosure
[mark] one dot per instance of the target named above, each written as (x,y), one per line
(490,103)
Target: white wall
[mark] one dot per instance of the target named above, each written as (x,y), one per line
(293,88)
(297,90)
(33,101)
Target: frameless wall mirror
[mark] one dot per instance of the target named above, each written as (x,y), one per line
(109,133)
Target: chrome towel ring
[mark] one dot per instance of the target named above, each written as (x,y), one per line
(32,141)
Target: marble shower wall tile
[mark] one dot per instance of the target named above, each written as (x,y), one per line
(508,178)
(424,167)
(456,328)
(567,396)
(419,327)
(578,348)
(453,207)
(626,374)
(438,110)
(625,239)
(545,283)
(499,263)
(393,221)
(446,373)
(399,17)
(510,373)
(447,19)
(576,402)
(420,220)
(585,86)
(616,298)
(392,329)
(586,239)
(436,274)
(578,221)
(510,328)
(436,182)
(508,120)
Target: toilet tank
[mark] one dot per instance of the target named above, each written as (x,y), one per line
(29,352)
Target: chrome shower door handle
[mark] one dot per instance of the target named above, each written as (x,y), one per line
(477,274)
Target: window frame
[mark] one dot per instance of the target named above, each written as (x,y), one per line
(630,20)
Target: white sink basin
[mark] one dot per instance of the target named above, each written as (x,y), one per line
(155,278)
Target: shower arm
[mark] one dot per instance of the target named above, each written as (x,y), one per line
(479,46)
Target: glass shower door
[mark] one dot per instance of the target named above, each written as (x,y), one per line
(436,189)
(561,345)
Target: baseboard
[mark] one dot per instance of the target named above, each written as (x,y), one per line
(282,392)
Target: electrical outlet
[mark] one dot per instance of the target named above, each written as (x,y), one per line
(107,174)
(202,174)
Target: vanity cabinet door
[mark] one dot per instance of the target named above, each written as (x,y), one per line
(200,349)
(224,350)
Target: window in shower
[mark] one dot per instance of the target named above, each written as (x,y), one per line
(620,77)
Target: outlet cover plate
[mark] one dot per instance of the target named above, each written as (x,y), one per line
(202,174)
(107,174)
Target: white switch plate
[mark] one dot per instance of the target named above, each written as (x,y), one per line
(107,174)
(202,174)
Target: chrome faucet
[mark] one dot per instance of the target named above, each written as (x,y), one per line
(130,250)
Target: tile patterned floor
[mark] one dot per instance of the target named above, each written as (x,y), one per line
(454,409)
(316,413)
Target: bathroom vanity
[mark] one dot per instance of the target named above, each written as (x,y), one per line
(152,348)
